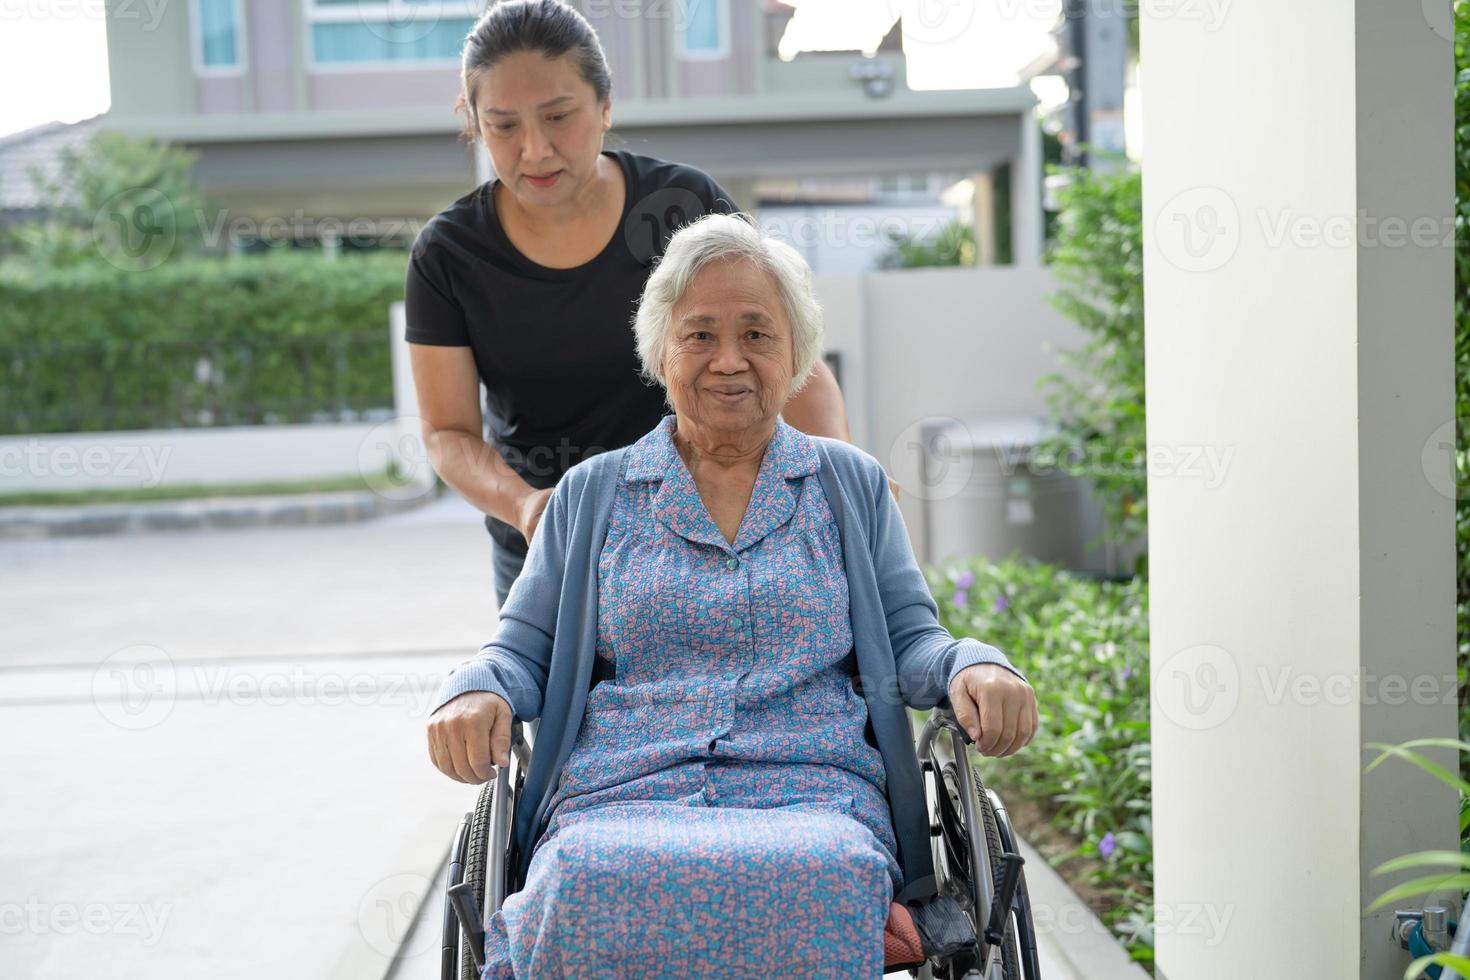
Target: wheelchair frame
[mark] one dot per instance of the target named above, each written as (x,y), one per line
(986,881)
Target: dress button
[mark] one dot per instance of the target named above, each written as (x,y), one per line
(732,563)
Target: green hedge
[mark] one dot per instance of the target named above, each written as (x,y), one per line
(285,337)
(1084,642)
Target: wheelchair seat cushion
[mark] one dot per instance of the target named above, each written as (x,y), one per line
(901,943)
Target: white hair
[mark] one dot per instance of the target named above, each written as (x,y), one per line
(727,236)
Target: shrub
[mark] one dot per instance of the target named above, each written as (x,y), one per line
(280,337)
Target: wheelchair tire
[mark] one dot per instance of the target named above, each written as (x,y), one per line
(958,861)
(1010,961)
(476,864)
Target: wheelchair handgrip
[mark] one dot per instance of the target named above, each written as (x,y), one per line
(944,714)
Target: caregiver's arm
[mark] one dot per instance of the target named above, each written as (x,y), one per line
(448,384)
(469,725)
(990,696)
(818,408)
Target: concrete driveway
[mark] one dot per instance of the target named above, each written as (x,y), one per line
(213,744)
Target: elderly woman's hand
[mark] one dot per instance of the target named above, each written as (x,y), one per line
(469,735)
(995,706)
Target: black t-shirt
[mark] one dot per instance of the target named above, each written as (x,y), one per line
(554,347)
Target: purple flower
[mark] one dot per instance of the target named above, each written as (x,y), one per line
(1127,671)
(1107,845)
(961,597)
(1001,603)
(965,580)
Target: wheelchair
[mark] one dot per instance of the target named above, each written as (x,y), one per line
(974,849)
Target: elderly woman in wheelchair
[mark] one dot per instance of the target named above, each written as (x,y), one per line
(719,628)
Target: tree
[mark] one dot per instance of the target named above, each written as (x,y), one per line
(126,201)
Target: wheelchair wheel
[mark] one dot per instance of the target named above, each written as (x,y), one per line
(479,878)
(476,864)
(962,865)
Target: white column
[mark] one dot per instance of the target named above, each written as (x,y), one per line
(1298,188)
(1026,179)
(484,170)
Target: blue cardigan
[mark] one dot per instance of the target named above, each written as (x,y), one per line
(541,658)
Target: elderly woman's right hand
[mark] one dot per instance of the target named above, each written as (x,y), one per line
(469,736)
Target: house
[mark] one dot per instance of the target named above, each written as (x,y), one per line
(306,112)
(36,149)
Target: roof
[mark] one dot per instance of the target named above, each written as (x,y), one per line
(39,146)
(630,114)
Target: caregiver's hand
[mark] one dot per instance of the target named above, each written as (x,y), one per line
(532,506)
(469,736)
(995,706)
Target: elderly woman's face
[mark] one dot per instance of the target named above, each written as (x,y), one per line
(729,360)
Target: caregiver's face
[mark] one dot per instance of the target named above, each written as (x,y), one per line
(728,364)
(542,125)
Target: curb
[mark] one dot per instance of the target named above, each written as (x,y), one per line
(424,857)
(200,514)
(1067,927)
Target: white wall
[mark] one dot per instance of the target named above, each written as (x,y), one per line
(919,344)
(175,457)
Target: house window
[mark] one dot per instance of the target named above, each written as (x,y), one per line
(391,33)
(704,29)
(217,40)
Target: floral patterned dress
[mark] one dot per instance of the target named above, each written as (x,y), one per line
(722,812)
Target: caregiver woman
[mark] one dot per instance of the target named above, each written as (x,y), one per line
(529,282)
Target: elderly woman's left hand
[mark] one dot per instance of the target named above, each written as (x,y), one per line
(995,706)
